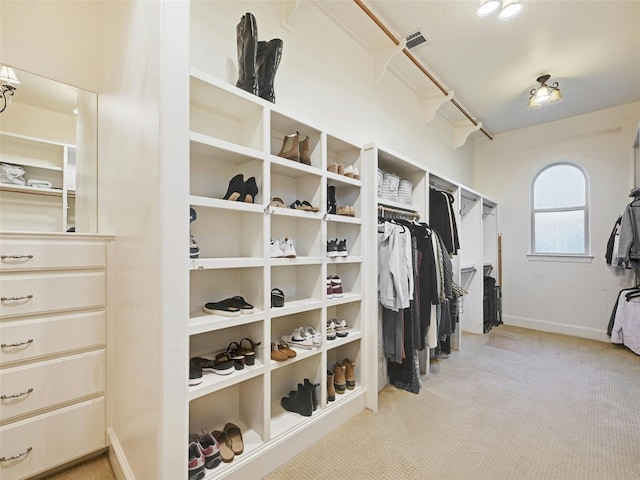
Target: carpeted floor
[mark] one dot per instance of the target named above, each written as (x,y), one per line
(513,404)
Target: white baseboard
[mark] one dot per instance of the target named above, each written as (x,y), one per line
(118,459)
(554,327)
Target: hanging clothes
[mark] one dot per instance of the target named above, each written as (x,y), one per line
(442,219)
(626,320)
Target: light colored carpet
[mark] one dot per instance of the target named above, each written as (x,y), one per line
(514,404)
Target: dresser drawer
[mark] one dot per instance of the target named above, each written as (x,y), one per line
(31,254)
(29,388)
(28,339)
(32,294)
(51,439)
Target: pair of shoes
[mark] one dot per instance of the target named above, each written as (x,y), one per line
(337,327)
(281,351)
(337,248)
(344,376)
(334,287)
(303,401)
(204,452)
(241,191)
(230,441)
(303,337)
(347,211)
(277,298)
(295,149)
(349,171)
(219,364)
(283,248)
(229,307)
(304,205)
(249,351)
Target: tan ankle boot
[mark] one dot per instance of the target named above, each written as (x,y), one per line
(331,391)
(305,155)
(339,381)
(290,147)
(350,373)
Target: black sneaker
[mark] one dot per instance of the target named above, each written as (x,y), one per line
(195,373)
(342,248)
(332,248)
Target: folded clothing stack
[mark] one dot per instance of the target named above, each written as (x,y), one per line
(11,174)
(39,183)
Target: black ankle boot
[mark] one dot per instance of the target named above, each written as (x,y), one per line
(236,189)
(250,190)
(247,38)
(331,200)
(311,386)
(299,402)
(267,60)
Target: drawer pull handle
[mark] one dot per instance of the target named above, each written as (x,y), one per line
(3,257)
(17,344)
(11,299)
(16,395)
(5,459)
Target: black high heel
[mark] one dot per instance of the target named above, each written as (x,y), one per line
(236,188)
(250,190)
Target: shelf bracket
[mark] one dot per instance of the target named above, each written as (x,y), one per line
(462,132)
(288,10)
(431,104)
(380,58)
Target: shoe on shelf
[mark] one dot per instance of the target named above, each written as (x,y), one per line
(249,352)
(234,434)
(329,289)
(242,304)
(288,249)
(332,248)
(225,445)
(236,189)
(277,202)
(234,353)
(307,385)
(356,173)
(331,199)
(276,248)
(277,298)
(331,390)
(316,336)
(209,447)
(332,167)
(341,327)
(196,462)
(349,373)
(277,354)
(341,247)
(299,402)
(192,215)
(336,286)
(344,211)
(250,190)
(340,169)
(195,373)
(225,307)
(290,147)
(221,364)
(299,339)
(285,348)
(194,249)
(331,330)
(339,382)
(305,154)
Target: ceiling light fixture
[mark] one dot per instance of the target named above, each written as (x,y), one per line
(8,82)
(510,8)
(544,93)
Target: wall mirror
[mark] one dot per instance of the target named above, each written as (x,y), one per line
(48,155)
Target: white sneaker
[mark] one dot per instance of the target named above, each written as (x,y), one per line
(316,337)
(299,339)
(341,327)
(276,248)
(331,330)
(288,250)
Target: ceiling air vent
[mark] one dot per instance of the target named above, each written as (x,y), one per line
(417,39)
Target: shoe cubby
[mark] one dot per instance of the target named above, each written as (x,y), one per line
(350,275)
(343,153)
(284,326)
(215,285)
(351,313)
(285,380)
(352,352)
(302,285)
(290,185)
(306,234)
(227,234)
(241,404)
(213,167)
(350,232)
(346,196)
(217,112)
(283,126)
(408,170)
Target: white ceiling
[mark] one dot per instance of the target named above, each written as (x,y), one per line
(591,48)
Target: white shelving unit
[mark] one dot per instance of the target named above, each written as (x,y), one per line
(27,208)
(236,133)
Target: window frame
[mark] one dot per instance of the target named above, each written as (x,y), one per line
(534,255)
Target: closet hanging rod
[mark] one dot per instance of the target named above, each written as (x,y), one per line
(440,187)
(408,213)
(413,59)
(472,199)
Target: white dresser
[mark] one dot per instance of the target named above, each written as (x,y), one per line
(52,355)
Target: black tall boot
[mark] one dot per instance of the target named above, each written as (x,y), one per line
(267,61)
(247,38)
(331,199)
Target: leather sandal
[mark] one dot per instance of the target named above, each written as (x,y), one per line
(277,355)
(233,352)
(234,434)
(248,352)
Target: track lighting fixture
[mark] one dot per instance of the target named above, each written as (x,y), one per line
(8,82)
(508,8)
(544,93)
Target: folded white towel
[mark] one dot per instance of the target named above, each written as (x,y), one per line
(39,183)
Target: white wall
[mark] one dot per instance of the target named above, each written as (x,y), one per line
(324,77)
(569,298)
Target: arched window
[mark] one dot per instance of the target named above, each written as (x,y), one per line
(559,210)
